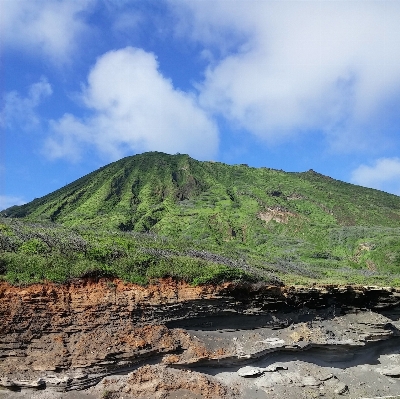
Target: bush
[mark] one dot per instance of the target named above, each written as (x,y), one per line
(34,246)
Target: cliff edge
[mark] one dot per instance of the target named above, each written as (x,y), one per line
(110,339)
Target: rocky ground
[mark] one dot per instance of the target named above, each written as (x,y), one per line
(105,339)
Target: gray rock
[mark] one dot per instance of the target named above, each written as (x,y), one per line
(249,371)
(82,376)
(275,367)
(391,371)
(310,381)
(5,382)
(10,384)
(341,388)
(325,377)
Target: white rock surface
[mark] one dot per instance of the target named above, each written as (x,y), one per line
(249,371)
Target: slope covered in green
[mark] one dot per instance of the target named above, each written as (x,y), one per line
(297,226)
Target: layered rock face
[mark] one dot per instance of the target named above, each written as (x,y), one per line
(170,339)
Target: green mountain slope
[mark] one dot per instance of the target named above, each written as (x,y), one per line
(286,224)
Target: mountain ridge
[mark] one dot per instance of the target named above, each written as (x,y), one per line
(75,188)
(279,223)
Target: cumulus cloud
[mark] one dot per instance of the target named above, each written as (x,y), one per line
(384,174)
(287,67)
(7,201)
(133,108)
(21,111)
(48,26)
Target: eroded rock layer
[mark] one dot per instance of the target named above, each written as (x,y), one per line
(69,337)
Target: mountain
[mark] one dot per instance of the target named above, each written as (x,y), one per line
(152,190)
(303,224)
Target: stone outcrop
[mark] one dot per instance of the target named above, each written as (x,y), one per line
(70,337)
(159,381)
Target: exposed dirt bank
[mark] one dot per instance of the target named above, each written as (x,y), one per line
(123,340)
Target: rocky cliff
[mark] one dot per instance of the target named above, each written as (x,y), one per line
(110,339)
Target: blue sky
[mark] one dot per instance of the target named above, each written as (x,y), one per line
(292,85)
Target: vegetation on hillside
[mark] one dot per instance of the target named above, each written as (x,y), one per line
(155,215)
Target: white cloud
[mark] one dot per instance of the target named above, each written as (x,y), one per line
(6,201)
(48,26)
(21,111)
(384,174)
(133,109)
(299,65)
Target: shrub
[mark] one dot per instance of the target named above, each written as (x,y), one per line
(34,246)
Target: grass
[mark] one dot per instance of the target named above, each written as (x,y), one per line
(35,252)
(155,215)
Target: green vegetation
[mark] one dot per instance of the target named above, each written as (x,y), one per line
(155,215)
(33,252)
